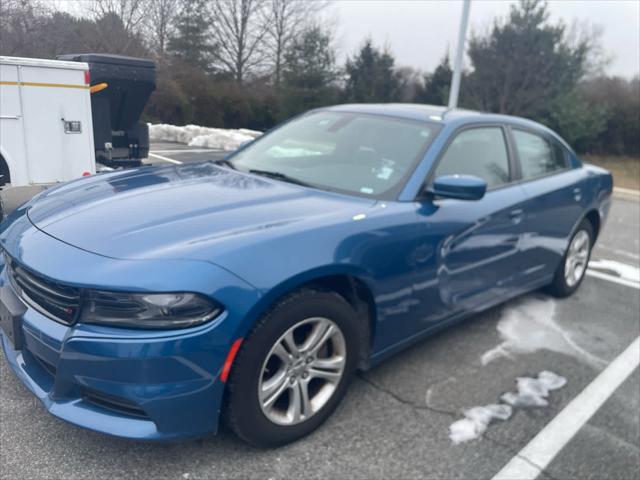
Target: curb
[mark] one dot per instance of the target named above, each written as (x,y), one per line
(626,193)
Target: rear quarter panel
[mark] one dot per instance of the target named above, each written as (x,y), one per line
(598,187)
(557,205)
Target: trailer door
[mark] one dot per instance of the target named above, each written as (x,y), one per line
(58,127)
(12,145)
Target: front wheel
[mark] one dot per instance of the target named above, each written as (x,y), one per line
(293,370)
(573,266)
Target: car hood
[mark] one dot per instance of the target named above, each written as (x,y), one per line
(187,211)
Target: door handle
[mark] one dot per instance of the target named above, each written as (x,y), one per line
(516,215)
(577,194)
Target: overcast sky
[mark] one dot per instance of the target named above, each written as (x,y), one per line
(419,32)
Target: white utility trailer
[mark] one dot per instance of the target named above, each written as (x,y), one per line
(46,131)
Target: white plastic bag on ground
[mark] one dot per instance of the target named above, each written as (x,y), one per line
(476,421)
(533,392)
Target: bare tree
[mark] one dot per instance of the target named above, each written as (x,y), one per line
(239,31)
(130,12)
(590,35)
(159,22)
(118,24)
(288,19)
(20,21)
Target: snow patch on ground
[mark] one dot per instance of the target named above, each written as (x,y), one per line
(528,325)
(196,136)
(532,392)
(622,270)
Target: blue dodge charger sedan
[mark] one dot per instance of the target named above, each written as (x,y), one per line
(153,302)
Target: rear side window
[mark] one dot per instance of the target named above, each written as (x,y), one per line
(538,156)
(481,152)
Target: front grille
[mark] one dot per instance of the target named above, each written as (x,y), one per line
(113,403)
(57,301)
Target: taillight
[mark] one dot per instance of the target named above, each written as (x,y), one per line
(86,174)
(87,77)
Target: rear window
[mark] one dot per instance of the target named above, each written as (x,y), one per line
(537,155)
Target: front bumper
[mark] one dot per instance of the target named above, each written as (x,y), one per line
(139,384)
(142,388)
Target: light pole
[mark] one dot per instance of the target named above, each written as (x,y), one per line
(457,64)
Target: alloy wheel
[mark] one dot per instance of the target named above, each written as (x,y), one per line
(577,258)
(302,371)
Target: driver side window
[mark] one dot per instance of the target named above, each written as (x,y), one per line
(481,152)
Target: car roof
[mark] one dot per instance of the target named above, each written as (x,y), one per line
(433,113)
(412,111)
(455,117)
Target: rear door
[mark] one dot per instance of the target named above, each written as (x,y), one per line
(555,199)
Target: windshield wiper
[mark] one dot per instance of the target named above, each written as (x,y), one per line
(279,176)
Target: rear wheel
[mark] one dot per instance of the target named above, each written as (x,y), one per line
(573,266)
(293,370)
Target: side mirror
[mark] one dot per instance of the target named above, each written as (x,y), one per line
(462,187)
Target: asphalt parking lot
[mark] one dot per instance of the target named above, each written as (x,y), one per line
(395,420)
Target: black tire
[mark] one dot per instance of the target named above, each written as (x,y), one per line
(5,174)
(560,287)
(242,410)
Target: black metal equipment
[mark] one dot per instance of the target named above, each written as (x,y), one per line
(120,138)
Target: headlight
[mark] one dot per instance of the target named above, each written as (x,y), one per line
(148,310)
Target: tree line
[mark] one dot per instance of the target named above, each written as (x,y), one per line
(254,63)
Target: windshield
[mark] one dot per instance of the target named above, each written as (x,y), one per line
(357,153)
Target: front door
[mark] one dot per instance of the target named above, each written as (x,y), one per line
(474,246)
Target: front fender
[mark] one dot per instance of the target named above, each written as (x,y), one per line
(290,284)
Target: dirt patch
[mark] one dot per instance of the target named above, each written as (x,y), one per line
(625,170)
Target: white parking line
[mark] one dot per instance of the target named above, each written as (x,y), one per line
(624,253)
(539,452)
(543,448)
(612,278)
(165,159)
(614,271)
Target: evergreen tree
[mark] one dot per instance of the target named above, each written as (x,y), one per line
(371,77)
(524,65)
(309,72)
(529,67)
(435,90)
(191,41)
